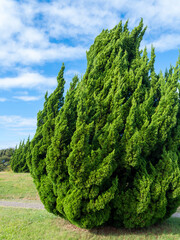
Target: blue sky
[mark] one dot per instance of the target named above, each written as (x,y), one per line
(36,36)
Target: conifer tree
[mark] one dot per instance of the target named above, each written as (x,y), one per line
(18,160)
(42,139)
(110,155)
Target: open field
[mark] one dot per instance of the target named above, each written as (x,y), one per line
(29,224)
(17,186)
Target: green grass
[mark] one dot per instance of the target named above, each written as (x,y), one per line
(14,186)
(26,224)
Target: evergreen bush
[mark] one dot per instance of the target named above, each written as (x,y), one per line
(109,153)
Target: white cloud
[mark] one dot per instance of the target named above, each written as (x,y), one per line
(84,17)
(33,80)
(161,16)
(166,42)
(15,122)
(36,32)
(15,52)
(28,27)
(27,80)
(158,14)
(3,99)
(10,21)
(78,18)
(25,40)
(27,98)
(15,128)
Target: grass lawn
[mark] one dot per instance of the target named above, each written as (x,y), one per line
(14,186)
(27,224)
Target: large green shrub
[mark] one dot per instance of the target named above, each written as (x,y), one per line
(110,153)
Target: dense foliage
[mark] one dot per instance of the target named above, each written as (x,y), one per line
(18,161)
(37,159)
(110,153)
(5,157)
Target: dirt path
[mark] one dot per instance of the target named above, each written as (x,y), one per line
(39,205)
(25,204)
(176,215)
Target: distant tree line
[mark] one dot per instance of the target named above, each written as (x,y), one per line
(5,157)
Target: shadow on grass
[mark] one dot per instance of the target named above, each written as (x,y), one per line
(170,226)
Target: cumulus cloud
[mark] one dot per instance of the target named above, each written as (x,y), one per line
(15,128)
(75,18)
(13,121)
(85,19)
(27,98)
(16,53)
(34,32)
(27,80)
(3,99)
(166,42)
(24,40)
